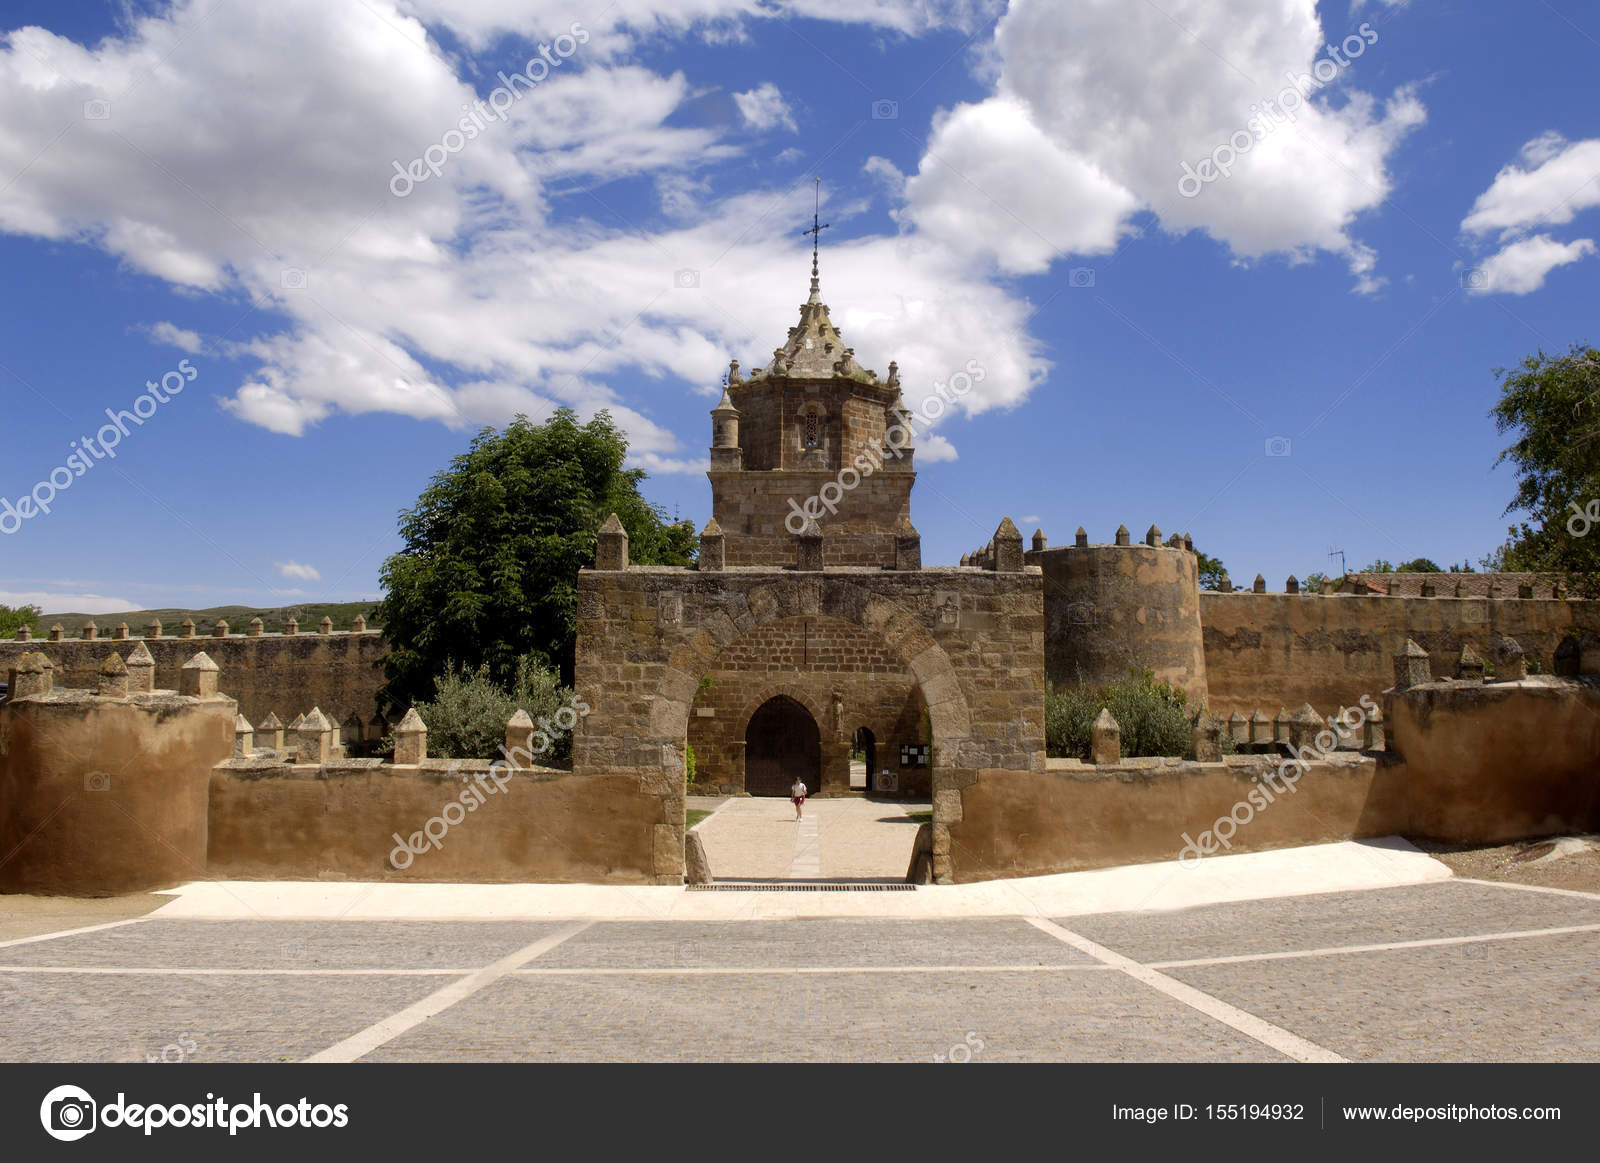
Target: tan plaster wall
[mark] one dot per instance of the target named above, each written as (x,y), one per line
(1499,762)
(104,796)
(302,822)
(1076,816)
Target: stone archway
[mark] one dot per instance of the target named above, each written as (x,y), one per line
(782,744)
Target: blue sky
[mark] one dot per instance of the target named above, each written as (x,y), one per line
(210,182)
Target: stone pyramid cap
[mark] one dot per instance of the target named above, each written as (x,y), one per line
(904,527)
(1236,717)
(1469,656)
(1506,646)
(316,721)
(140,656)
(1260,716)
(712,529)
(34,663)
(726,403)
(271,722)
(412,723)
(1307,714)
(613,526)
(1007,531)
(1104,721)
(1412,650)
(240,723)
(201,661)
(810,530)
(114,665)
(294,724)
(520,719)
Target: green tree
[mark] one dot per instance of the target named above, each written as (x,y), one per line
(1418,565)
(1211,571)
(467,716)
(1379,566)
(489,569)
(14,619)
(1552,404)
(1312,582)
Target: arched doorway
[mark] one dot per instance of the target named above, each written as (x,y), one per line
(781,742)
(864,750)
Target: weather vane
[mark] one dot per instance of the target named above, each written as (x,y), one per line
(817,226)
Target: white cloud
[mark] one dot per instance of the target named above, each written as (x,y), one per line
(481,292)
(1101,102)
(298,571)
(764,108)
(52,602)
(1554,182)
(175,336)
(1520,267)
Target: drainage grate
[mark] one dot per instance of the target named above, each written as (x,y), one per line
(795,886)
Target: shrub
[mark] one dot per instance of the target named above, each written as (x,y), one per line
(1154,716)
(467,717)
(688,762)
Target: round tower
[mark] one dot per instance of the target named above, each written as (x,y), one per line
(1111,607)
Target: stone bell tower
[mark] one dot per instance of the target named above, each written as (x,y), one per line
(812,434)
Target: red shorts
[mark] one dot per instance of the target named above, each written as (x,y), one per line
(798,800)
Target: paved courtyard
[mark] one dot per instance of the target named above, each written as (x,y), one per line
(754,838)
(1449,970)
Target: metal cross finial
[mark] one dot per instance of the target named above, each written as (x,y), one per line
(817,227)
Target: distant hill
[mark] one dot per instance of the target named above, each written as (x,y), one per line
(238,617)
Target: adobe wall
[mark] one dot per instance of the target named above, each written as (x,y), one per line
(339,820)
(285,674)
(1075,816)
(1491,763)
(1277,651)
(102,795)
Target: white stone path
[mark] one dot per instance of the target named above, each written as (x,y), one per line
(758,838)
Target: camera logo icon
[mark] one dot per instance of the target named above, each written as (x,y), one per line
(98,109)
(1080,277)
(885,110)
(1474,279)
(68,1113)
(293,279)
(686,280)
(96,781)
(1278,446)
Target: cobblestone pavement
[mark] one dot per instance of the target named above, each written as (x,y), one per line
(758,838)
(1453,971)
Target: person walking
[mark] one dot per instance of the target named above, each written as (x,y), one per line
(797,793)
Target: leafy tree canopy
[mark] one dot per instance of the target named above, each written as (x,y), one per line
(1211,571)
(1552,404)
(489,570)
(12,620)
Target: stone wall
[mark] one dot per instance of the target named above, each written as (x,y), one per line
(285,674)
(1112,607)
(971,640)
(1283,650)
(752,508)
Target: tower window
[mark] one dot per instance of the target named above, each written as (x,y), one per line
(812,437)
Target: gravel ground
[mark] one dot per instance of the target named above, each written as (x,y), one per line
(1525,862)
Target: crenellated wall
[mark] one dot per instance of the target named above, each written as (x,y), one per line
(1271,651)
(281,674)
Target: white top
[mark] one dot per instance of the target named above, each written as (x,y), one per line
(799,788)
